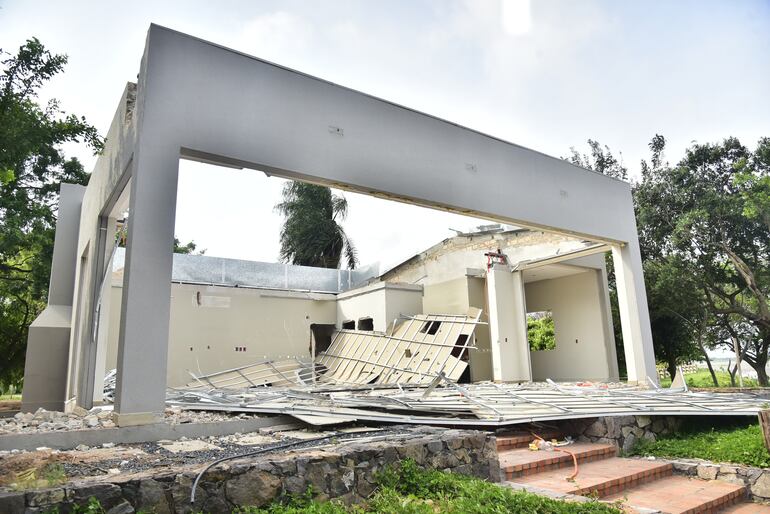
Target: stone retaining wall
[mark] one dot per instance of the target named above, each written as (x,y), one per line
(623,431)
(346,471)
(756,480)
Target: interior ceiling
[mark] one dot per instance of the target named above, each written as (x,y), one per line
(550,271)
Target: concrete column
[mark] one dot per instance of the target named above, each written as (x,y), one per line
(103,310)
(143,340)
(508,325)
(634,316)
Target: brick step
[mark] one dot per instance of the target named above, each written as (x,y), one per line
(522,438)
(682,495)
(601,478)
(524,462)
(747,508)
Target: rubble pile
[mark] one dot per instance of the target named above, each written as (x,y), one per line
(99,417)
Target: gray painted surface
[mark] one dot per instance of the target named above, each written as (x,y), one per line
(253,114)
(62,283)
(137,434)
(48,340)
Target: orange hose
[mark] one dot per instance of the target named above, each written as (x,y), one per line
(574,459)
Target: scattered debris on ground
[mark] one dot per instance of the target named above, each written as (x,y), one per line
(98,417)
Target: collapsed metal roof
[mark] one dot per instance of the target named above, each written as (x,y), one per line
(409,375)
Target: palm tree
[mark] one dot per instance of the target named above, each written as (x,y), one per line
(311,234)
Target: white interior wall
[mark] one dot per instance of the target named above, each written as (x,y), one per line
(203,338)
(583,352)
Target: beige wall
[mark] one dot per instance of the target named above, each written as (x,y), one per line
(383,302)
(583,350)
(456,296)
(208,323)
(203,338)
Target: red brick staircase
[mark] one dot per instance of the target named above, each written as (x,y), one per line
(639,485)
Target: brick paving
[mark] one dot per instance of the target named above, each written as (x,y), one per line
(523,462)
(682,495)
(603,477)
(635,483)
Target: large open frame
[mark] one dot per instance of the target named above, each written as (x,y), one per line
(197,100)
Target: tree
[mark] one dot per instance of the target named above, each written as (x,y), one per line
(600,160)
(311,234)
(541,332)
(188,248)
(711,210)
(32,167)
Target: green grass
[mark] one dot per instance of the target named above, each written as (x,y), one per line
(702,378)
(407,489)
(6,397)
(737,444)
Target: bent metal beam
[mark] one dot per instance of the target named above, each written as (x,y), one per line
(198,100)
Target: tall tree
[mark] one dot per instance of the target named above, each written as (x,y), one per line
(32,167)
(711,210)
(311,234)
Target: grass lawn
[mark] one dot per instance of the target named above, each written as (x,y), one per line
(9,397)
(702,378)
(740,444)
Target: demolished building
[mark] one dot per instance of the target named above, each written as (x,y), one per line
(190,103)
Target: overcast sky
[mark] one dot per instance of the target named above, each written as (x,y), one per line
(546,74)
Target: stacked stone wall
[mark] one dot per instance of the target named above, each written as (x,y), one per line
(346,471)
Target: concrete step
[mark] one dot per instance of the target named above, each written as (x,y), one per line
(682,495)
(524,462)
(522,438)
(747,508)
(601,478)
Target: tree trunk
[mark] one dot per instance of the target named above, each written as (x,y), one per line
(764,422)
(731,371)
(708,362)
(671,367)
(761,373)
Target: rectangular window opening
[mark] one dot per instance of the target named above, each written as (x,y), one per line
(541,332)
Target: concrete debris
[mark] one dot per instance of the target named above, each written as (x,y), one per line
(97,418)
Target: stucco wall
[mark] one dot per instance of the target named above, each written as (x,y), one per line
(582,351)
(268,324)
(381,301)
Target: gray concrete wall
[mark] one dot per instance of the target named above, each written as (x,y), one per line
(45,365)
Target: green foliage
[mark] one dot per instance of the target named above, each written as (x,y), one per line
(742,445)
(710,212)
(92,507)
(540,332)
(408,489)
(187,248)
(32,167)
(703,379)
(311,234)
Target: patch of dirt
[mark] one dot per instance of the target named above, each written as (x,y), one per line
(14,466)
